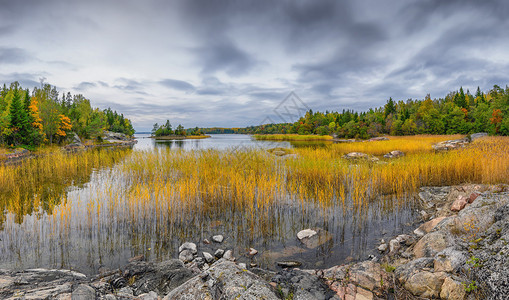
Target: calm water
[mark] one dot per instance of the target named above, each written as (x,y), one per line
(38,240)
(218,141)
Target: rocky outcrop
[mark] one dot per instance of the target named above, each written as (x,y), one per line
(459,143)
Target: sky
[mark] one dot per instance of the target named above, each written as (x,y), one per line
(233,63)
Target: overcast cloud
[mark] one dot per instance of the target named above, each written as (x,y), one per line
(230,63)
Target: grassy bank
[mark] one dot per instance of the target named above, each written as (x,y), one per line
(291,137)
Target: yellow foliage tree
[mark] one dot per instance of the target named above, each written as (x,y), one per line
(34,111)
(65,124)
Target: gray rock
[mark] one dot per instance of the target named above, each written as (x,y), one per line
(218,238)
(394,246)
(109,297)
(219,253)
(224,280)
(186,255)
(242,266)
(208,257)
(158,277)
(188,246)
(475,136)
(382,247)
(313,239)
(302,285)
(125,291)
(83,292)
(148,296)
(229,255)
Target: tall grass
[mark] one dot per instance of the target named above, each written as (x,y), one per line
(292,137)
(143,200)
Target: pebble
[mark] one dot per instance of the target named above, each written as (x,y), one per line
(252,251)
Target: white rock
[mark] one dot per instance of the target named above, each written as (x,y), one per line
(218,238)
(188,246)
(306,233)
(382,247)
(252,251)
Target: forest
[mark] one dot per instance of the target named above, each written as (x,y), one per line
(459,112)
(40,117)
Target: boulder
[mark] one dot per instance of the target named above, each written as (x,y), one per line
(459,203)
(188,246)
(186,255)
(83,292)
(377,139)
(394,247)
(115,136)
(428,226)
(449,260)
(313,239)
(219,253)
(303,285)
(224,280)
(452,289)
(475,136)
(425,284)
(430,244)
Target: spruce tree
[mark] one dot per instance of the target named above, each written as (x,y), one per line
(19,123)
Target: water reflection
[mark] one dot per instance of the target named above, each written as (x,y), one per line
(95,211)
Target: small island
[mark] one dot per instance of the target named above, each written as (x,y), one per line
(165,132)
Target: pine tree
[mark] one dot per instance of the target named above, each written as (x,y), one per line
(18,119)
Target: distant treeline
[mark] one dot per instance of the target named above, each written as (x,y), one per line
(166,130)
(458,112)
(43,117)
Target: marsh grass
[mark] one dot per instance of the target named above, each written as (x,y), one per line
(292,137)
(146,202)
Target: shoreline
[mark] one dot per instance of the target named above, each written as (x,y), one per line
(435,260)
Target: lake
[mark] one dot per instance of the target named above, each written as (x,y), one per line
(129,207)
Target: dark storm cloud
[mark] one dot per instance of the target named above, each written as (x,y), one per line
(177,85)
(230,63)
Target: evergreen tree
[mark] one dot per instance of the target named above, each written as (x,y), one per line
(18,119)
